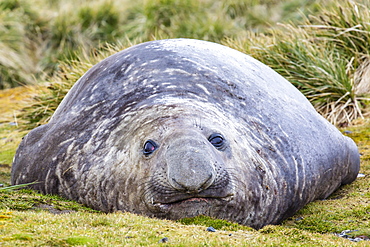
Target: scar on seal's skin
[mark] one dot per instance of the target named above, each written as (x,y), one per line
(69,168)
(180,128)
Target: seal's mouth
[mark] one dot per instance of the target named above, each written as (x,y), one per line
(203,196)
(192,201)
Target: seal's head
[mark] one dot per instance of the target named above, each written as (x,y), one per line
(189,163)
(179,128)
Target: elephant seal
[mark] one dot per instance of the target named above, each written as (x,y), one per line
(178,128)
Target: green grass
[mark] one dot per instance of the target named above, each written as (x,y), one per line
(42,228)
(24,199)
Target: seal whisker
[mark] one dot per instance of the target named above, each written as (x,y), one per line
(234,178)
(198,124)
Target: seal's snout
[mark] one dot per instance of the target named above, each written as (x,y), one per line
(190,165)
(190,171)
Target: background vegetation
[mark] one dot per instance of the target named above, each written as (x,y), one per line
(321,46)
(35,36)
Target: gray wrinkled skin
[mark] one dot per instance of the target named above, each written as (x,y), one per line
(278,154)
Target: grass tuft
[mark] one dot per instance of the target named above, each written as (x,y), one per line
(326,58)
(15,187)
(215,223)
(80,240)
(22,236)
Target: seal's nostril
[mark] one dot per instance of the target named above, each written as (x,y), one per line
(208,182)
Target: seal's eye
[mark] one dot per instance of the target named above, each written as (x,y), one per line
(149,147)
(217,140)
